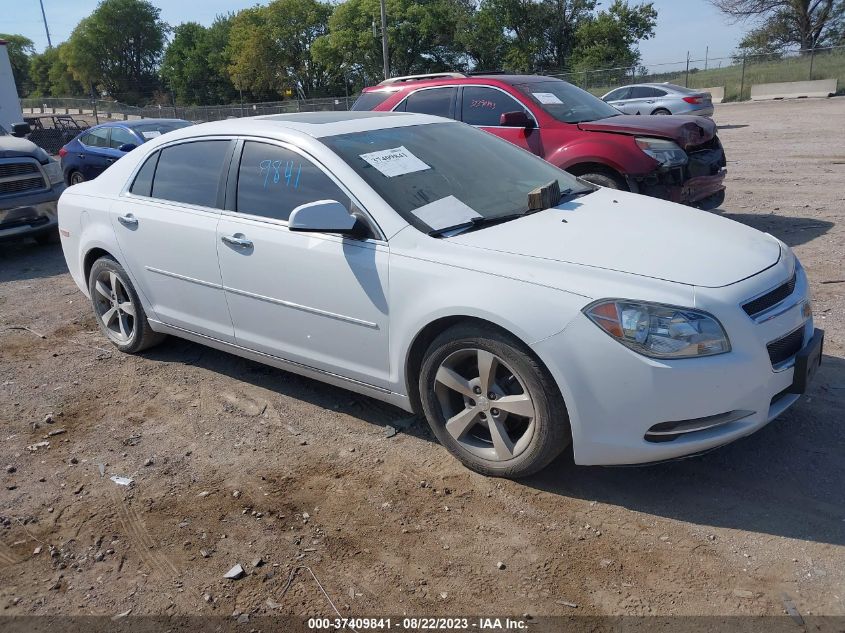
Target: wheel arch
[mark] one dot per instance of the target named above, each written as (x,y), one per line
(592,167)
(92,256)
(425,336)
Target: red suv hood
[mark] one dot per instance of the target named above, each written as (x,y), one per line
(686,131)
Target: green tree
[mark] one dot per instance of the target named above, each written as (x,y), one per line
(51,77)
(783,23)
(270,48)
(192,66)
(20,49)
(421,38)
(118,49)
(608,39)
(562,19)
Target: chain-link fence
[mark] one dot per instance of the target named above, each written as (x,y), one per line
(736,73)
(101,109)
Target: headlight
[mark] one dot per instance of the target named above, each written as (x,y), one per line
(667,153)
(54,172)
(659,331)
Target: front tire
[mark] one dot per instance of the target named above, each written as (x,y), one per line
(491,403)
(118,310)
(661,112)
(604,180)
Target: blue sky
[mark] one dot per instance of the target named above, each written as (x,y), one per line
(681,24)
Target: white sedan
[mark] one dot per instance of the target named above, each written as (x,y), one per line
(436,267)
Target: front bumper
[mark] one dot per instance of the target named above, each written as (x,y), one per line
(702,177)
(28,215)
(616,398)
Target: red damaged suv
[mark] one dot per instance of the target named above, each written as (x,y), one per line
(678,158)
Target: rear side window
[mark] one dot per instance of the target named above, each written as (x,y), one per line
(273,181)
(143,184)
(96,138)
(436,101)
(643,92)
(190,172)
(485,106)
(370,100)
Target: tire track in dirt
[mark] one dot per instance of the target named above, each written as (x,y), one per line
(7,556)
(141,539)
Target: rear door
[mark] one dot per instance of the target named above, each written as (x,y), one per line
(315,299)
(641,100)
(483,106)
(166,226)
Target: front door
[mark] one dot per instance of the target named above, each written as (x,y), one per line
(167,231)
(315,299)
(482,106)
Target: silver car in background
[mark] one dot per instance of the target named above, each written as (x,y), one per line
(660,99)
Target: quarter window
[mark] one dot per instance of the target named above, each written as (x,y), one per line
(485,106)
(273,181)
(435,101)
(190,172)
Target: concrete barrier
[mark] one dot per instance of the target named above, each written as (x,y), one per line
(794,89)
(718,93)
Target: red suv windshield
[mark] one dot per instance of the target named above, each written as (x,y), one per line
(566,102)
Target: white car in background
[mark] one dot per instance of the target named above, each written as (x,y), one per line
(397,255)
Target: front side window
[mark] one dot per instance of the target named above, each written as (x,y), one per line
(96,138)
(618,95)
(566,102)
(485,106)
(273,181)
(449,167)
(435,101)
(190,172)
(121,136)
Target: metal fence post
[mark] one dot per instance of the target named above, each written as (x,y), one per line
(742,80)
(686,81)
(812,59)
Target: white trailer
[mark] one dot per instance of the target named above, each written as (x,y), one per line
(10,105)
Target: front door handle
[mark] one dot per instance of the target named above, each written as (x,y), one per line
(128,220)
(238,240)
(81,155)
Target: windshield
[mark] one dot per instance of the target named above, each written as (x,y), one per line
(2,131)
(442,174)
(566,102)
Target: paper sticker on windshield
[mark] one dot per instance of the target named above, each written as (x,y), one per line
(150,134)
(547,98)
(395,162)
(446,213)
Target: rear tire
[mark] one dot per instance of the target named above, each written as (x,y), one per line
(491,403)
(118,309)
(75,177)
(661,112)
(604,179)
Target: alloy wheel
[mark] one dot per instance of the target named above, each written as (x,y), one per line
(76,178)
(114,307)
(485,404)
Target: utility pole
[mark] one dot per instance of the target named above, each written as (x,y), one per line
(384,40)
(44,17)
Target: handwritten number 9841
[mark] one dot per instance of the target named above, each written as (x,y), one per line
(272,171)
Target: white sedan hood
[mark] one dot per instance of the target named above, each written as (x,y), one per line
(635,234)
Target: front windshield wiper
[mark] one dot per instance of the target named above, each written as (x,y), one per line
(477,223)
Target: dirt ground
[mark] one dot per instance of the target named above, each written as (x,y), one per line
(233,462)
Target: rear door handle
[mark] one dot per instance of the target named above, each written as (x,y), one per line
(128,220)
(238,240)
(81,155)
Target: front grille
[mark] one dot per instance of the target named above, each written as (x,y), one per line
(20,177)
(786,347)
(763,303)
(17,169)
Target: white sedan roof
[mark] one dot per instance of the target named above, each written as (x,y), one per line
(313,124)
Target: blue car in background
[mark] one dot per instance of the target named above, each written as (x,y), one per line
(90,153)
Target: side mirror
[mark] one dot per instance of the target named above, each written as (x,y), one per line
(322,216)
(21,129)
(126,147)
(515,119)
